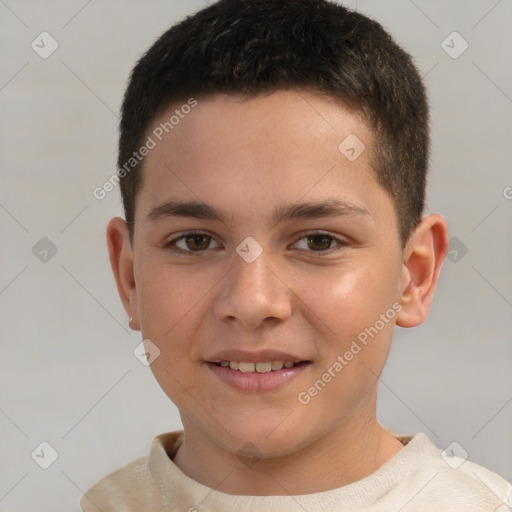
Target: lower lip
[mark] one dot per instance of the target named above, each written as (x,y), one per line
(257,382)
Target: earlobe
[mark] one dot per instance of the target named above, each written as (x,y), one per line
(423,257)
(121,260)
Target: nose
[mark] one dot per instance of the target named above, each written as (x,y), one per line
(253,294)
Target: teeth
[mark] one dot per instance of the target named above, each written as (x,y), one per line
(277,365)
(246,367)
(263,367)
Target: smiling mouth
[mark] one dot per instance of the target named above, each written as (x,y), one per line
(261,367)
(258,376)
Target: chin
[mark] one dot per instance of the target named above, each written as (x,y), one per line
(266,439)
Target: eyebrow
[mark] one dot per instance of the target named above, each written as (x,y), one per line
(282,213)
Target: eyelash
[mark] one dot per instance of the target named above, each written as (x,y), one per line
(171,245)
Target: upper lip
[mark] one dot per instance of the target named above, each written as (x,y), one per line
(260,356)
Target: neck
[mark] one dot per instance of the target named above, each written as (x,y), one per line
(339,458)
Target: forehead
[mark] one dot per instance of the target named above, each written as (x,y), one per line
(250,153)
(291,116)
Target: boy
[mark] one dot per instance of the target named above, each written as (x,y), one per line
(272,164)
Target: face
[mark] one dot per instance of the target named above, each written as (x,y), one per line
(258,242)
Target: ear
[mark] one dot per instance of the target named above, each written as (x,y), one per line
(121,260)
(423,257)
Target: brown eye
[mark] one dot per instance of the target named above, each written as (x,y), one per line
(197,242)
(190,243)
(319,242)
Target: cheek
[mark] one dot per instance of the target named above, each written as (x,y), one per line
(172,304)
(348,298)
(348,303)
(169,297)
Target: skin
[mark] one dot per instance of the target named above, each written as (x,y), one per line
(245,157)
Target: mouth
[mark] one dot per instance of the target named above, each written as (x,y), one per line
(257,376)
(259,367)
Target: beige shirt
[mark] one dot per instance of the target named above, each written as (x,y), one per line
(416,479)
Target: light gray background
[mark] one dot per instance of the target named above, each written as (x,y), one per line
(68,375)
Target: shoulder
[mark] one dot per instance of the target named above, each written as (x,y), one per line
(121,487)
(456,483)
(135,485)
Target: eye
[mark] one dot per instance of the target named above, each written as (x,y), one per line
(192,242)
(319,242)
